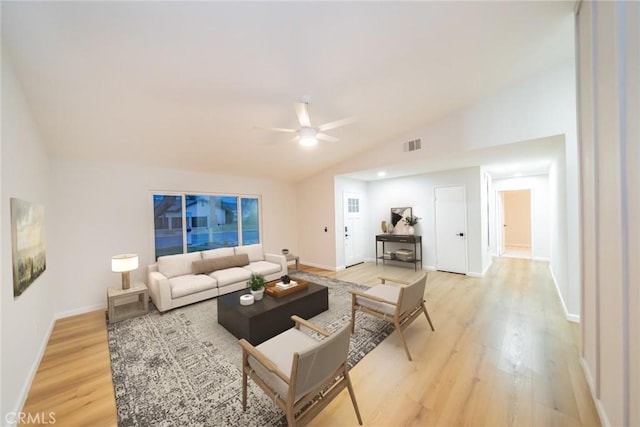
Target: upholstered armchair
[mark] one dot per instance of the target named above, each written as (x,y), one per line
(400,305)
(298,372)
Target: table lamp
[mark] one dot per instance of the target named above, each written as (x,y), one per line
(124,263)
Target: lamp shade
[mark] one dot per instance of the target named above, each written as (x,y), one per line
(124,262)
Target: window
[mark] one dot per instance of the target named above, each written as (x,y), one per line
(199,221)
(250,223)
(211,222)
(353,205)
(167,210)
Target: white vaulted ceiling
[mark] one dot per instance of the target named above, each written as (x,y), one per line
(184,84)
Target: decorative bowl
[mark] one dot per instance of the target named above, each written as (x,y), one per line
(285,252)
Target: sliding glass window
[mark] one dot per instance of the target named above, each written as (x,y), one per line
(210,222)
(250,220)
(167,212)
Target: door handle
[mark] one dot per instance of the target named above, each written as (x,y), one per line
(460,234)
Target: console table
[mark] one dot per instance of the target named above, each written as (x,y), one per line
(416,241)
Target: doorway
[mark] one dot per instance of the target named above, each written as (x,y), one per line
(353,241)
(514,223)
(451,229)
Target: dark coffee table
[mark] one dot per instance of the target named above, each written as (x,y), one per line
(270,316)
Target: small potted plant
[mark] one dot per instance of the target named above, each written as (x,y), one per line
(256,283)
(411,221)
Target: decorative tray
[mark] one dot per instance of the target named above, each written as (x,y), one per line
(272,290)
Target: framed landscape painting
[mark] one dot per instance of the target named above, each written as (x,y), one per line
(27,244)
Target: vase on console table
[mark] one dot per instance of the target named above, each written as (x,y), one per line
(411,230)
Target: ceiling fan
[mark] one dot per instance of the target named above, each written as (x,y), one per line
(308,135)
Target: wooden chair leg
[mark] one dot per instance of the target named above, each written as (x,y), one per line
(404,342)
(353,313)
(245,362)
(352,394)
(291,418)
(244,390)
(426,313)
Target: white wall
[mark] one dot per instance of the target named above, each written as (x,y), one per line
(541,106)
(609,103)
(560,268)
(540,213)
(418,192)
(102,209)
(27,320)
(536,108)
(317,210)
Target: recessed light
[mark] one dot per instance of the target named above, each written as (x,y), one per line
(381,174)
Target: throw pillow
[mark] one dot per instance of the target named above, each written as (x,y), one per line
(209,265)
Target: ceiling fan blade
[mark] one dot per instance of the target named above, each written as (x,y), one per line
(278,129)
(303,114)
(335,124)
(325,137)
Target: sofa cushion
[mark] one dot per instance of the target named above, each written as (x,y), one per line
(229,276)
(206,266)
(217,253)
(255,252)
(177,265)
(263,267)
(190,284)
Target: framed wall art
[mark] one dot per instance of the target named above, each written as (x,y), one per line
(27,244)
(397,218)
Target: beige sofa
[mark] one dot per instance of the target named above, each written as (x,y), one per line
(177,280)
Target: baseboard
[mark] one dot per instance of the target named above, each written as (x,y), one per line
(24,393)
(325,267)
(541,258)
(487,267)
(474,274)
(602,414)
(82,310)
(570,317)
(429,267)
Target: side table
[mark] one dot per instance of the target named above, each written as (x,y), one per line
(296,258)
(127,310)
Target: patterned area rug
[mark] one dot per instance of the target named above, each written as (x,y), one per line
(184,369)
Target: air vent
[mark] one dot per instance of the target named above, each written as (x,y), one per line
(414,145)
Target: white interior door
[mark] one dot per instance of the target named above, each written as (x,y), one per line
(500,225)
(451,229)
(353,242)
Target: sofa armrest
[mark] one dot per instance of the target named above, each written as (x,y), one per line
(159,288)
(278,259)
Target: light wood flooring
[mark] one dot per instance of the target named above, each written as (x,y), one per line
(502,355)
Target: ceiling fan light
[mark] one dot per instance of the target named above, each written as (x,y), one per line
(308,137)
(308,141)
